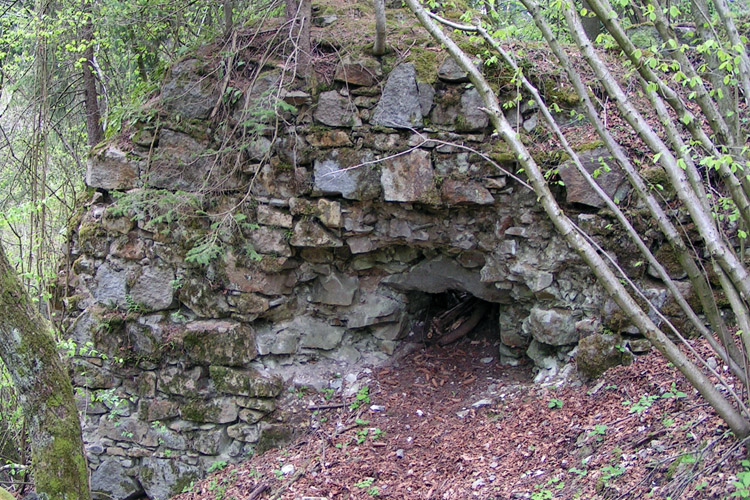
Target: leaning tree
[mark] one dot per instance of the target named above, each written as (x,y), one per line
(698,91)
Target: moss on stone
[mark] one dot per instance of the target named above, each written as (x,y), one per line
(425,63)
(274,436)
(197,410)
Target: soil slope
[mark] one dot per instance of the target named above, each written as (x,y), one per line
(452,423)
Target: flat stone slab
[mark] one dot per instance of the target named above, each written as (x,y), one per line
(400,105)
(409,178)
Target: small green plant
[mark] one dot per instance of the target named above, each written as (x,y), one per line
(362,397)
(555,404)
(544,490)
(362,435)
(131,305)
(189,487)
(643,404)
(217,466)
(278,474)
(674,393)
(580,472)
(610,472)
(298,391)
(366,484)
(362,422)
(599,431)
(377,434)
(219,489)
(328,393)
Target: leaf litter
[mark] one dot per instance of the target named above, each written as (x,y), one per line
(453,423)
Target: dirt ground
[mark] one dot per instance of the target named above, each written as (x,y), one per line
(452,423)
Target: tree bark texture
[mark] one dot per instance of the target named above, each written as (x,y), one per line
(46,395)
(379,48)
(299,14)
(91,95)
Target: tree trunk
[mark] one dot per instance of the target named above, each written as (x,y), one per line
(379,48)
(91,96)
(46,395)
(228,17)
(299,14)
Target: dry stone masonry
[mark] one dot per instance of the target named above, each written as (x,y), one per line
(324,245)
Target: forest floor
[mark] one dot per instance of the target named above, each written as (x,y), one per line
(452,423)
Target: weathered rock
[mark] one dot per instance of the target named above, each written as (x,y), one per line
(310,234)
(249,276)
(129,247)
(340,173)
(409,177)
(247,382)
(178,381)
(199,297)
(399,106)
(329,213)
(112,169)
(336,110)
(159,409)
(357,73)
(312,332)
(210,441)
(360,244)
(552,326)
(219,342)
(153,288)
(335,289)
(248,303)
(110,480)
(426,97)
(182,163)
(215,410)
(244,432)
(270,216)
(110,285)
(329,139)
(163,478)
(607,173)
(391,331)
(270,241)
(457,192)
(451,72)
(472,118)
(372,309)
(441,274)
(598,353)
(270,341)
(187,94)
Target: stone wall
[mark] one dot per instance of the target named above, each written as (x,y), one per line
(321,246)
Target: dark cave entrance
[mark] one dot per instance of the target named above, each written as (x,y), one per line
(448,317)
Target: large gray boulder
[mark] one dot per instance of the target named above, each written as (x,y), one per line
(552,326)
(400,106)
(336,110)
(110,480)
(112,169)
(153,288)
(163,478)
(187,94)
